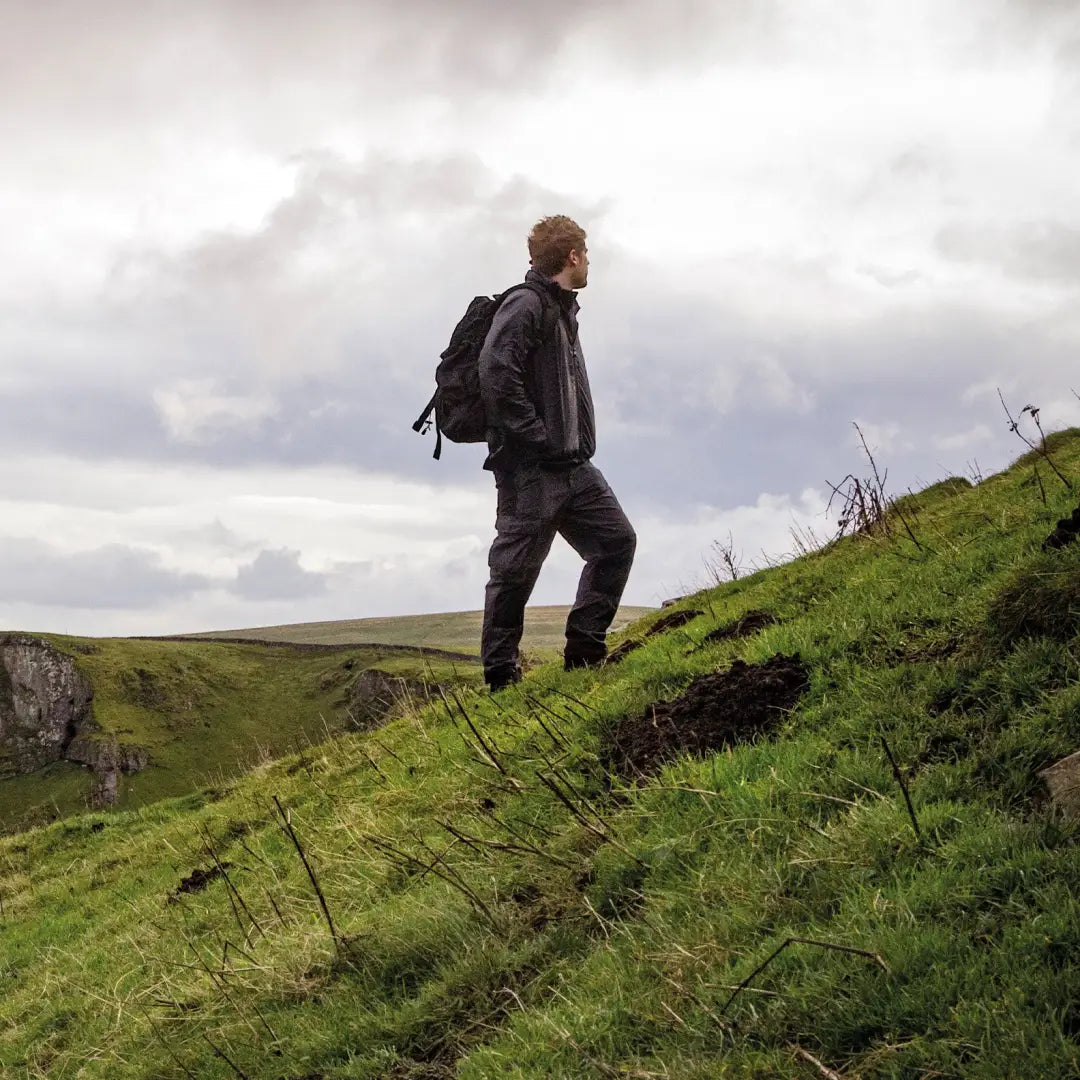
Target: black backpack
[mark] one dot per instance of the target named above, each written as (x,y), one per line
(457,402)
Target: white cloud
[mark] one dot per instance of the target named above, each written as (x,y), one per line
(195,411)
(964,440)
(884,438)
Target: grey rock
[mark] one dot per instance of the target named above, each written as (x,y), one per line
(376,695)
(1062,780)
(46,716)
(44,699)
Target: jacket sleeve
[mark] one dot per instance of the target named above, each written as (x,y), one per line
(514,331)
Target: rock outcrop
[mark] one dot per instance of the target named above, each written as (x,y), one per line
(45,716)
(44,700)
(375,695)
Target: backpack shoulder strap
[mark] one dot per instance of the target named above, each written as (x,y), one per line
(549,307)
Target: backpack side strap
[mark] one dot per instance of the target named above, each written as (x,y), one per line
(423,424)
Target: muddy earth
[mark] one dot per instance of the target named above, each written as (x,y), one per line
(722,709)
(672,622)
(621,652)
(748,624)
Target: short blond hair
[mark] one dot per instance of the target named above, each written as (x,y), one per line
(551,241)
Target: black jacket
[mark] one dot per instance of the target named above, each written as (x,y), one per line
(535,388)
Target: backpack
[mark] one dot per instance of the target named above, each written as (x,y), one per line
(457,403)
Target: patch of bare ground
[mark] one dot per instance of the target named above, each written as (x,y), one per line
(722,709)
(749,623)
(198,880)
(621,652)
(672,622)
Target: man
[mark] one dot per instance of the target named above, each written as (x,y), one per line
(541,437)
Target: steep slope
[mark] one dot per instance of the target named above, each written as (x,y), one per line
(698,862)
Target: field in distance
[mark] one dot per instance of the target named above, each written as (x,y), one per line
(458,631)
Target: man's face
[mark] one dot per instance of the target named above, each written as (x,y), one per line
(579,268)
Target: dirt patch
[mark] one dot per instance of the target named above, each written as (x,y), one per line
(621,652)
(1065,532)
(197,880)
(748,624)
(717,710)
(672,621)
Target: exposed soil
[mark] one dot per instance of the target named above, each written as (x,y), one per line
(198,879)
(672,621)
(621,652)
(717,710)
(748,624)
(1065,532)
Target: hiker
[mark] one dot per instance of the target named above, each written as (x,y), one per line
(541,437)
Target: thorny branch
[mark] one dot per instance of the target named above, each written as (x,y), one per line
(1039,447)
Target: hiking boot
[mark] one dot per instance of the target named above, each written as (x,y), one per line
(571,662)
(501,680)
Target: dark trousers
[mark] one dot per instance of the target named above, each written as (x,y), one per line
(533,505)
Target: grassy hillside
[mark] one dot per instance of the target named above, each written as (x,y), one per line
(455,630)
(206,711)
(541,885)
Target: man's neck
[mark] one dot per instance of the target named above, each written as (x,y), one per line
(562,279)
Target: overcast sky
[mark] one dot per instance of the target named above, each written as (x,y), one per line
(238,234)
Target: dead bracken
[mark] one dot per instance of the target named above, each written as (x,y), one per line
(716,710)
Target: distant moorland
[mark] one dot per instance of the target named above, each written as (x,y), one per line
(455,630)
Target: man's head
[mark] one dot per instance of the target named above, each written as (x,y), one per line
(557,249)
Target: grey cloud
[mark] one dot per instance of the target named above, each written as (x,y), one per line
(353,348)
(111,577)
(278,575)
(218,536)
(140,61)
(696,403)
(337,276)
(1046,251)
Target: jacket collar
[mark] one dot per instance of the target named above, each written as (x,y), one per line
(567,297)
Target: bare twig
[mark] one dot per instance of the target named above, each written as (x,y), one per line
(903,787)
(310,872)
(799,941)
(168,1049)
(825,1071)
(1040,446)
(224,1057)
(501,845)
(208,842)
(446,873)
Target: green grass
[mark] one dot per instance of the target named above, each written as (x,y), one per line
(206,712)
(457,631)
(486,929)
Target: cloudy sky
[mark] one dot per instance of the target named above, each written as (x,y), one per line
(237,234)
